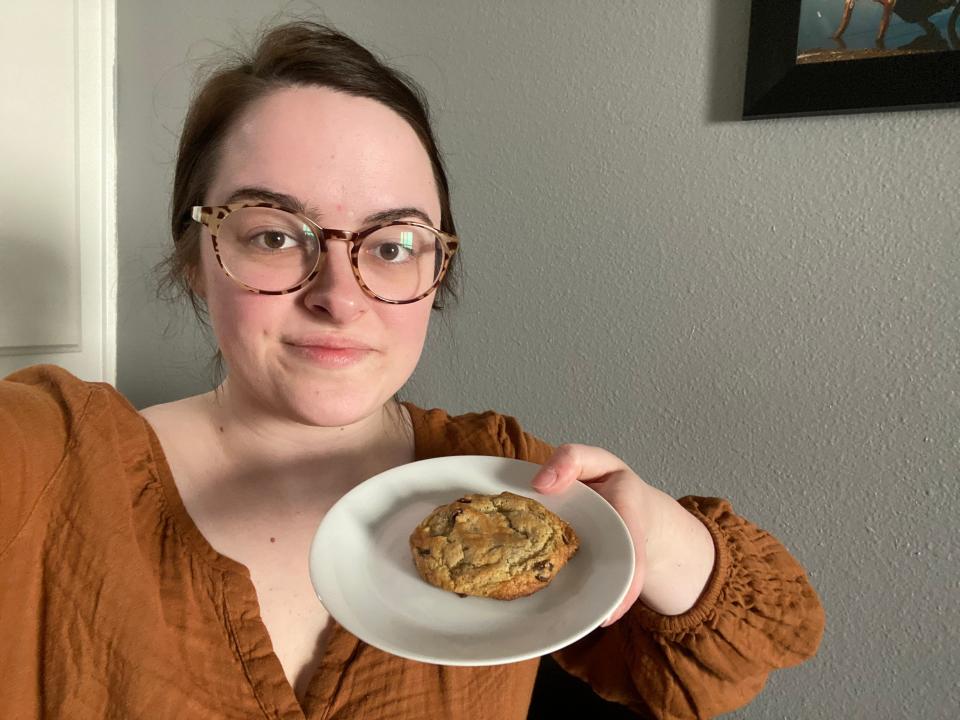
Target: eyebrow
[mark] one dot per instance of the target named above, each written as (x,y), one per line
(289,201)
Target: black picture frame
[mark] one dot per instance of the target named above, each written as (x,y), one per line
(776,85)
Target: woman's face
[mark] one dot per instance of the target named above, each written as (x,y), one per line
(327,355)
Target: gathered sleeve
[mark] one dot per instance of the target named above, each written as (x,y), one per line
(757,613)
(38,407)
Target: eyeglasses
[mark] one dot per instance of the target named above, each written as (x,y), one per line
(272,250)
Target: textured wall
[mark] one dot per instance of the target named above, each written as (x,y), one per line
(765,311)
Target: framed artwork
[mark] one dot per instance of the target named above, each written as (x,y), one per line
(820,57)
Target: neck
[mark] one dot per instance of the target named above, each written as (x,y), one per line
(279,454)
(267,432)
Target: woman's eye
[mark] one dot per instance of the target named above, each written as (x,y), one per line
(273,240)
(392,252)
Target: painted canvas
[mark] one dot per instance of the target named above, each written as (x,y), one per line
(835,30)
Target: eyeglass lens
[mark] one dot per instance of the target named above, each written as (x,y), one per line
(273,250)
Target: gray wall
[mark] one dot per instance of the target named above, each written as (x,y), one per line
(764,311)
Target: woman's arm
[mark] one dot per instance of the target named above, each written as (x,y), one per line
(674,551)
(680,555)
(716,603)
(757,613)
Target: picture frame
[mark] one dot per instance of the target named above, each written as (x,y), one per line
(777,85)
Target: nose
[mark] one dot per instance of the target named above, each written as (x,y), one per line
(335,292)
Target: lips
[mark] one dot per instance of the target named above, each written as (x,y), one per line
(330,351)
(329,342)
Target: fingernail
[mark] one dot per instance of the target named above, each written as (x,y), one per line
(545,480)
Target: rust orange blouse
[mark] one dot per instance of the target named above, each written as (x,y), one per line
(113,605)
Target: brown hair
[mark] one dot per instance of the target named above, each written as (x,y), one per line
(293,54)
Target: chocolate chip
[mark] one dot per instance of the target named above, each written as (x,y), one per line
(544,565)
(455,513)
(465,500)
(462,594)
(423,552)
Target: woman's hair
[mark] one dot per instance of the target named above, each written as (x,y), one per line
(295,54)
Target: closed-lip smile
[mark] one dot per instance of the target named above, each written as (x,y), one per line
(330,351)
(329,342)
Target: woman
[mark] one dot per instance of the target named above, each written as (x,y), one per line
(154,563)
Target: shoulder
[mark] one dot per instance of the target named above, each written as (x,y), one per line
(172,414)
(183,429)
(47,386)
(437,433)
(45,412)
(45,403)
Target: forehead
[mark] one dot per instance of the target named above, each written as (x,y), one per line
(328,149)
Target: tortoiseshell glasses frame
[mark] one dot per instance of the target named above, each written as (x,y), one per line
(212,217)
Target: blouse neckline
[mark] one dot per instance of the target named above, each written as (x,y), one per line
(242,617)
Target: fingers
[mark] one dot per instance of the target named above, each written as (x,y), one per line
(571,463)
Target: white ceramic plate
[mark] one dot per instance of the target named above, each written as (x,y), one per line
(363,573)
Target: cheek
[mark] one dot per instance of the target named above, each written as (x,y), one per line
(235,314)
(408,325)
(230,314)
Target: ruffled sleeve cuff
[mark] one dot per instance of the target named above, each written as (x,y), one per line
(707,602)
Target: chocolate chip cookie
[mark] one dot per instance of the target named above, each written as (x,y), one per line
(498,546)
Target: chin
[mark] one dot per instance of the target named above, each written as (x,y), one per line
(320,397)
(334,408)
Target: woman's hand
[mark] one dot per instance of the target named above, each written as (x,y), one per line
(674,551)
